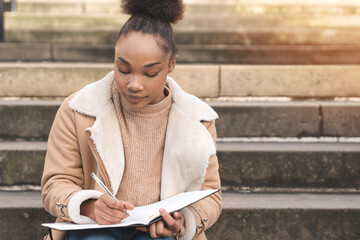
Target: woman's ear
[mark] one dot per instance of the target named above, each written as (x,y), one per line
(172,63)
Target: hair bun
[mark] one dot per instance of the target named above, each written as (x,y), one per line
(170,11)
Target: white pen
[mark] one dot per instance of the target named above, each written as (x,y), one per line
(104,187)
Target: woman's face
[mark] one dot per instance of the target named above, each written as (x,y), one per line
(140,69)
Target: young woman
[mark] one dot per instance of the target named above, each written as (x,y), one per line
(140,133)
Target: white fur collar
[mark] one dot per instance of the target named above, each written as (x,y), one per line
(188,144)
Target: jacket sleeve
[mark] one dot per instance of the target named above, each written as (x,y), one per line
(208,210)
(63,174)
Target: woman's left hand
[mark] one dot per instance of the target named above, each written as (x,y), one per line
(158,229)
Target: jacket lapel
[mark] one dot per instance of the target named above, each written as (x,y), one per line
(95,100)
(188,144)
(106,136)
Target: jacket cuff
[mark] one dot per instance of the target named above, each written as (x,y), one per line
(75,202)
(190,225)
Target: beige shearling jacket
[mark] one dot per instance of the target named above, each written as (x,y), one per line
(85,137)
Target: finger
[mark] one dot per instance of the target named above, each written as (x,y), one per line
(117,205)
(152,230)
(162,231)
(104,221)
(178,215)
(143,229)
(103,207)
(106,218)
(170,221)
(128,205)
(111,202)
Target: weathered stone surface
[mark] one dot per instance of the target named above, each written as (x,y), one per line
(242,165)
(230,54)
(254,221)
(99,53)
(199,80)
(61,21)
(191,22)
(286,224)
(85,36)
(338,119)
(31,119)
(289,165)
(21,163)
(201,7)
(246,37)
(235,54)
(48,80)
(25,52)
(23,223)
(292,81)
(60,80)
(267,119)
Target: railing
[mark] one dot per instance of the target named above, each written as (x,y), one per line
(1,21)
(11,6)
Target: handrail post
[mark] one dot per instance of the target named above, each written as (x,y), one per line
(1,21)
(13,6)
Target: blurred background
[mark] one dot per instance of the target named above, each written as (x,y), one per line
(282,74)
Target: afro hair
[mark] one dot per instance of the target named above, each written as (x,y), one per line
(170,11)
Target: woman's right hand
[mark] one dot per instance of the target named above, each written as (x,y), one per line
(106,210)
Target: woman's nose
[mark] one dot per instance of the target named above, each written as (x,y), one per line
(135,84)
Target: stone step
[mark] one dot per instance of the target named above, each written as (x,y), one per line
(244,166)
(301,166)
(316,216)
(214,54)
(304,81)
(197,22)
(63,79)
(199,7)
(33,119)
(234,30)
(241,37)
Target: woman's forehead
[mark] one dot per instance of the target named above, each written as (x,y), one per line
(137,43)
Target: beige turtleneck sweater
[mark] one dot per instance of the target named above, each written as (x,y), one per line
(143,134)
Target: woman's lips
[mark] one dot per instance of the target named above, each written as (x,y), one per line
(135,99)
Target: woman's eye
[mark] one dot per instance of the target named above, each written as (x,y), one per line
(123,72)
(153,75)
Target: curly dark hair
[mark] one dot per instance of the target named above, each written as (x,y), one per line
(170,11)
(153,17)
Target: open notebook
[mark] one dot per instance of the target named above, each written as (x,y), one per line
(143,215)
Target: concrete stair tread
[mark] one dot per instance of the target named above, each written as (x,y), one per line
(32,199)
(337,221)
(231,146)
(213,22)
(227,103)
(224,54)
(247,119)
(226,2)
(255,166)
(288,146)
(319,81)
(257,7)
(20,199)
(23,145)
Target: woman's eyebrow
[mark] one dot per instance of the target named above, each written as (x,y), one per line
(123,60)
(151,64)
(146,66)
